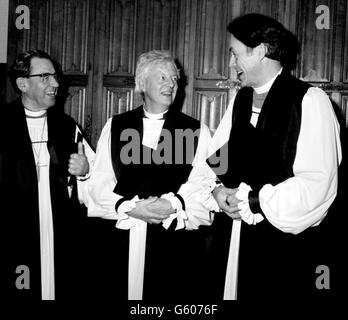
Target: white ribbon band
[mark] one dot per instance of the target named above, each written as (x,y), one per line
(230,292)
(136,262)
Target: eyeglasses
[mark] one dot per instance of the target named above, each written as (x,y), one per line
(45,77)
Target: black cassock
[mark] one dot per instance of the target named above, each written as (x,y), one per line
(20,206)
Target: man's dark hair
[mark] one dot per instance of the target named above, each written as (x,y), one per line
(253,29)
(21,66)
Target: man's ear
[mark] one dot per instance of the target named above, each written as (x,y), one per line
(262,50)
(142,85)
(21,84)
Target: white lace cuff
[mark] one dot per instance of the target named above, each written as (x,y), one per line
(245,212)
(179,214)
(124,221)
(85,177)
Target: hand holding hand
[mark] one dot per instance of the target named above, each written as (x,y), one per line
(142,212)
(161,206)
(78,162)
(227,201)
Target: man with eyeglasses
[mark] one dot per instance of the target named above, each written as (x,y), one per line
(41,152)
(45,77)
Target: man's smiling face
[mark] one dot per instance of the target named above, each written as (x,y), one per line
(160,86)
(39,93)
(245,62)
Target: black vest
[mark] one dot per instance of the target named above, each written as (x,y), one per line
(146,175)
(265,154)
(19,194)
(270,261)
(168,252)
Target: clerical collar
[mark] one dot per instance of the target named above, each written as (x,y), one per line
(35,114)
(155,116)
(267,86)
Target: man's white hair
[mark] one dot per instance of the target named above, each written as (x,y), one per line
(147,60)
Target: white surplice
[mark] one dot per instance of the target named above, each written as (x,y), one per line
(102,199)
(301,201)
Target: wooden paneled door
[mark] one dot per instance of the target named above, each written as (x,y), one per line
(124,30)
(97,44)
(65,29)
(322,60)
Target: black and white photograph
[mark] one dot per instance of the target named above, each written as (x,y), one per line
(173,159)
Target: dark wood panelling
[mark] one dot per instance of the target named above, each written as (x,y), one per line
(120,20)
(340,100)
(340,27)
(76,37)
(62,29)
(98,42)
(38,35)
(344,107)
(263,7)
(186,49)
(286,13)
(344,40)
(118,100)
(157,25)
(75,104)
(316,64)
(210,107)
(211,62)
(125,30)
(114,61)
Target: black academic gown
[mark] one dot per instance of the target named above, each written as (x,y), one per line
(19,205)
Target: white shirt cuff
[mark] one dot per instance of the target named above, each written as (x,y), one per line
(179,214)
(245,212)
(124,221)
(85,177)
(208,199)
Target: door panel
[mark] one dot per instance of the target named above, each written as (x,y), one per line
(97,44)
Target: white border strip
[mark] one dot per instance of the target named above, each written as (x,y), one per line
(4,5)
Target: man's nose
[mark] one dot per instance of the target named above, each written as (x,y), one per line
(54,81)
(171,82)
(232,62)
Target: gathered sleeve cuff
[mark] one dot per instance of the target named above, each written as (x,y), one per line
(199,201)
(124,221)
(178,204)
(302,201)
(247,215)
(191,212)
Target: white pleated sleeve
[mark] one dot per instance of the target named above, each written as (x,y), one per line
(102,199)
(301,201)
